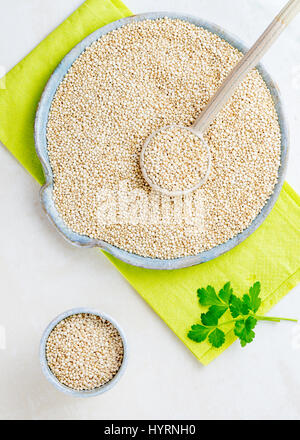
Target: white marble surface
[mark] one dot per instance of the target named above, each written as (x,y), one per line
(41,275)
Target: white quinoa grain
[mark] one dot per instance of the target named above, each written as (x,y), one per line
(133,81)
(84,351)
(175,159)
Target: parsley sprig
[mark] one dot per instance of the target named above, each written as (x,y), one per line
(243,312)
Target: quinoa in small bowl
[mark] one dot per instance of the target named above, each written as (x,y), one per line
(83,352)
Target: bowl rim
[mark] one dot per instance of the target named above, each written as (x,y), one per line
(42,152)
(53,379)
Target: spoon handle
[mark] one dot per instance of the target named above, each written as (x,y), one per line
(245,65)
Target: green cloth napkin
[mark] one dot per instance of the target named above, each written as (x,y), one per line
(270,255)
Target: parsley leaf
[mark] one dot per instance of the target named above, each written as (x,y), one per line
(198,333)
(243,329)
(252,300)
(238,307)
(208,296)
(217,338)
(213,315)
(225,293)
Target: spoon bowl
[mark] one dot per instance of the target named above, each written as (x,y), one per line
(165,191)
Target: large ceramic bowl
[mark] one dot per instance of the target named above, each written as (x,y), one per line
(41,148)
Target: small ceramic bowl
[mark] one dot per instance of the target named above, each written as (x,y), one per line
(50,376)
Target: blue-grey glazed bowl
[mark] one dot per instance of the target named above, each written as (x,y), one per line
(41,148)
(50,376)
